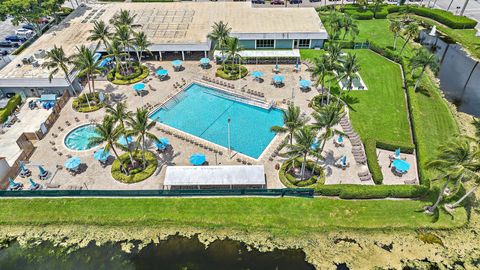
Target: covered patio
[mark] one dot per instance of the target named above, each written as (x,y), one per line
(266,56)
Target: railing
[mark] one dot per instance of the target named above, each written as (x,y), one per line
(290,192)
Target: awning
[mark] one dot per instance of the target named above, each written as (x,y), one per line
(295,53)
(214,175)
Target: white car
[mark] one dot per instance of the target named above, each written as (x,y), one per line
(22,32)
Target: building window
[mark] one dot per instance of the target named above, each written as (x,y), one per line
(304,43)
(265,43)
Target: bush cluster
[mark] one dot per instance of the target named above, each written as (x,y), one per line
(290,181)
(232,73)
(372,161)
(444,17)
(138,75)
(135,175)
(372,192)
(10,107)
(80,103)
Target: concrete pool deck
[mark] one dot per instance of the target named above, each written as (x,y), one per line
(96,177)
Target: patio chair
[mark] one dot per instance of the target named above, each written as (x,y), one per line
(410,182)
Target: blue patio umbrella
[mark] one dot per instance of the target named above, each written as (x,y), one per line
(314,145)
(162,72)
(401,165)
(204,61)
(72,163)
(22,167)
(177,63)
(138,87)
(276,66)
(340,139)
(197,159)
(305,83)
(397,153)
(278,78)
(163,141)
(256,74)
(125,141)
(101,154)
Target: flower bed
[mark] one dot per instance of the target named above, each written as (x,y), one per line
(80,103)
(137,173)
(291,181)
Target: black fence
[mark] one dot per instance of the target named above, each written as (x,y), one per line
(290,192)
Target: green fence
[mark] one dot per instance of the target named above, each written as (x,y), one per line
(291,192)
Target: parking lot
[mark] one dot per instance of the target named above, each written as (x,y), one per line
(6,28)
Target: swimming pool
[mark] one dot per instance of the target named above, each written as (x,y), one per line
(200,111)
(78,138)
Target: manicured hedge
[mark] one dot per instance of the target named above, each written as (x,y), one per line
(10,107)
(444,17)
(359,14)
(372,161)
(372,192)
(80,103)
(137,76)
(289,181)
(392,146)
(234,76)
(387,53)
(135,175)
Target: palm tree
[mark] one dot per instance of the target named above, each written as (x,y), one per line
(233,50)
(100,33)
(395,28)
(319,71)
(350,27)
(350,67)
(140,126)
(423,58)
(85,62)
(115,51)
(376,4)
(124,35)
(411,31)
(326,119)
(335,20)
(123,18)
(304,138)
(456,160)
(56,61)
(106,132)
(334,52)
(119,113)
(292,121)
(219,35)
(141,44)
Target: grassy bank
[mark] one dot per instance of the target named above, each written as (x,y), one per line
(381,111)
(285,216)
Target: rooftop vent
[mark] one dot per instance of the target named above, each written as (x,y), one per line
(40,54)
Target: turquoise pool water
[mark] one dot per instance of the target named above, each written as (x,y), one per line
(201,112)
(78,138)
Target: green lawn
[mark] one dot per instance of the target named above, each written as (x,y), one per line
(381,111)
(281,216)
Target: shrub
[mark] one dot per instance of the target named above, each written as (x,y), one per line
(290,181)
(138,75)
(444,17)
(233,72)
(136,175)
(80,103)
(345,44)
(372,192)
(372,161)
(393,8)
(359,13)
(392,146)
(10,107)
(385,52)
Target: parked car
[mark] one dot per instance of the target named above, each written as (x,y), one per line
(8,44)
(295,2)
(15,38)
(24,33)
(28,26)
(277,2)
(261,2)
(315,0)
(3,52)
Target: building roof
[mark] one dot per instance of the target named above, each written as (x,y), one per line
(167,25)
(214,175)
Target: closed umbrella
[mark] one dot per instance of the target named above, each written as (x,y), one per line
(72,163)
(197,159)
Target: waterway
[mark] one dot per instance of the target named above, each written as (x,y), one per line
(459,73)
(179,253)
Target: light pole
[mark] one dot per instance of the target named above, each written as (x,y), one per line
(228,134)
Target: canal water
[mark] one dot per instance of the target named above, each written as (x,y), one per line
(176,253)
(459,74)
